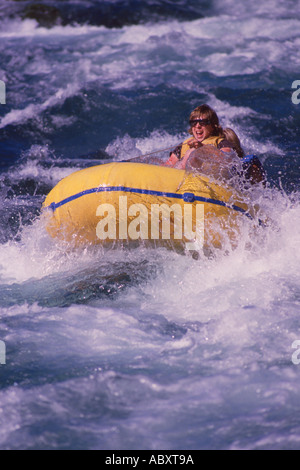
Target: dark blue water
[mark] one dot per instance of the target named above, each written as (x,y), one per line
(146,349)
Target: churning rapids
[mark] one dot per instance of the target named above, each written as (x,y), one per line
(147,349)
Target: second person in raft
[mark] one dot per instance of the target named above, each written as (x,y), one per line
(206,130)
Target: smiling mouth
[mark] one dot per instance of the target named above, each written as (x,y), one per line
(199,135)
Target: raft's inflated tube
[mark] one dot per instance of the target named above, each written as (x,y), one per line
(123,202)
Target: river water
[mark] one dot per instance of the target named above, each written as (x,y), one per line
(147,349)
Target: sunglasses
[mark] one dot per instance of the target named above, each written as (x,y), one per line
(201,122)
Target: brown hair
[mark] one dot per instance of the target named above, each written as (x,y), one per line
(227,133)
(231,136)
(210,114)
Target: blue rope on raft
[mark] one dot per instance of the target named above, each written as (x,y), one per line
(186,197)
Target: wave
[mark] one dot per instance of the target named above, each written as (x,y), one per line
(78,72)
(111,14)
(119,13)
(93,81)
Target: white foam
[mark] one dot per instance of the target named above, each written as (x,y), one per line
(132,56)
(30,28)
(268,9)
(247,277)
(158,143)
(19,116)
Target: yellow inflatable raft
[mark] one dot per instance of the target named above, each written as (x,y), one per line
(127,202)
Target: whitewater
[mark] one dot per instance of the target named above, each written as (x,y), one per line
(148,348)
